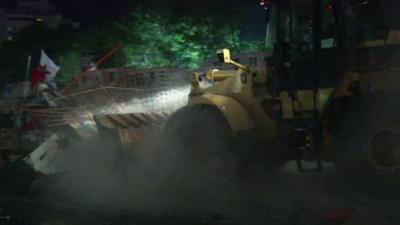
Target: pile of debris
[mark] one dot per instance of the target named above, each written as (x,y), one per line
(119,100)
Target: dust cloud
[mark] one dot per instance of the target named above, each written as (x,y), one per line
(156,178)
(153,179)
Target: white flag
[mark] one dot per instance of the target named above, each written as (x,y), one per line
(51,67)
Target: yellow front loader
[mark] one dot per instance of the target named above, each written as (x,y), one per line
(331,93)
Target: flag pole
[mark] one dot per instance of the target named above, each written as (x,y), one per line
(82,74)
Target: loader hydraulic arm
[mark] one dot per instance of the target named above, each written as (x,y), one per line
(224,56)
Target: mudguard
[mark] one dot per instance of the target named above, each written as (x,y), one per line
(235,114)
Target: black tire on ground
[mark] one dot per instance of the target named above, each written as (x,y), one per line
(198,133)
(367,145)
(196,167)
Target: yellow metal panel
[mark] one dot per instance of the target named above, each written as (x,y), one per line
(236,115)
(304,101)
(286,105)
(239,92)
(392,39)
(220,75)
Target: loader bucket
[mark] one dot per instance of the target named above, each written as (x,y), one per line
(130,128)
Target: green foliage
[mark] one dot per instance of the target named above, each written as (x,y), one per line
(158,40)
(70,64)
(153,37)
(154,40)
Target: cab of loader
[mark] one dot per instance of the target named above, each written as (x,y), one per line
(352,48)
(301,35)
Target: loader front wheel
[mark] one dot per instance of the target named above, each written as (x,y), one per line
(197,164)
(198,135)
(368,144)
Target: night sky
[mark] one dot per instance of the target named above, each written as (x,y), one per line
(85,11)
(88,11)
(92,11)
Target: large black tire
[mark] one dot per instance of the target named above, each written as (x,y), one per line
(367,144)
(198,134)
(196,162)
